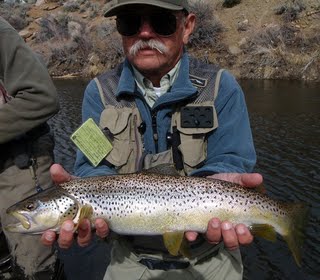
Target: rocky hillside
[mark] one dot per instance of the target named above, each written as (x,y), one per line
(265,39)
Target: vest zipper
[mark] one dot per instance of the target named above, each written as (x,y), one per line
(154,129)
(139,148)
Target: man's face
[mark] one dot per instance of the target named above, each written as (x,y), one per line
(156,46)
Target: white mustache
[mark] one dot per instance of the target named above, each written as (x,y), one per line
(153,44)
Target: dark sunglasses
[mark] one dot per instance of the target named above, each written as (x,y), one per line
(162,23)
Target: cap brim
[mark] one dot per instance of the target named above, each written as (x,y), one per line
(114,10)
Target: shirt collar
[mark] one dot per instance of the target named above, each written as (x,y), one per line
(147,88)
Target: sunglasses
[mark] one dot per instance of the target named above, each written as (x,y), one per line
(162,23)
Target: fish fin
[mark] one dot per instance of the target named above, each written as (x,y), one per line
(295,236)
(264,230)
(86,212)
(185,248)
(164,169)
(173,241)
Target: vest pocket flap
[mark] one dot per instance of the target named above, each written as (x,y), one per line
(195,130)
(114,119)
(193,144)
(193,148)
(117,122)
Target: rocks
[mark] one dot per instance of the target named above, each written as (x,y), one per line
(25,34)
(234,50)
(243,25)
(40,2)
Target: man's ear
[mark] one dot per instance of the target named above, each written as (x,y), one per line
(190,22)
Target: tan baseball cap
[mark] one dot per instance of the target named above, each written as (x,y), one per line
(115,6)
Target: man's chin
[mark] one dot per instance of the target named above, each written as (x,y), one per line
(147,63)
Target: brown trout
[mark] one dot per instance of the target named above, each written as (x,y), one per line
(155,204)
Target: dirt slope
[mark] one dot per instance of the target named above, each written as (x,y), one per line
(265,39)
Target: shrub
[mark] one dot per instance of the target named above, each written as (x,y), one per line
(71,6)
(105,29)
(207,28)
(53,26)
(230,3)
(290,10)
(271,37)
(15,14)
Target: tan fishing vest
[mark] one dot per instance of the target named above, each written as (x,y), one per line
(121,120)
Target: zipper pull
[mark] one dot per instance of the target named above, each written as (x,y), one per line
(33,170)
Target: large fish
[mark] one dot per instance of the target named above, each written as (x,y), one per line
(155,204)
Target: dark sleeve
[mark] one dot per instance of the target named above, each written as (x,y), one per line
(27,80)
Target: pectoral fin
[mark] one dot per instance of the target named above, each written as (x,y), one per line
(264,230)
(173,242)
(86,212)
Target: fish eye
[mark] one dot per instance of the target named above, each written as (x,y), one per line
(31,206)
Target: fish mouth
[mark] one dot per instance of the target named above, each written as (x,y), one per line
(23,221)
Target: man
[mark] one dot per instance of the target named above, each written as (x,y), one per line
(27,100)
(149,107)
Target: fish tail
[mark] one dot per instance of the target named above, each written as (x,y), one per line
(295,236)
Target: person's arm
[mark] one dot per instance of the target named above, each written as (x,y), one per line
(92,107)
(230,146)
(27,80)
(230,155)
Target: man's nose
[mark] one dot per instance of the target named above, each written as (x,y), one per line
(146,29)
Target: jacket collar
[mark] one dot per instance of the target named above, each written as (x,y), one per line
(181,89)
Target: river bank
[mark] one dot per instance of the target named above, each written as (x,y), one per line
(268,39)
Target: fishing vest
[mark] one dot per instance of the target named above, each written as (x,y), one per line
(121,122)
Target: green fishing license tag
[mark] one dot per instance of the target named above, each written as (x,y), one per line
(92,142)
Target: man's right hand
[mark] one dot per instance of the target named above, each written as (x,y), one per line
(60,175)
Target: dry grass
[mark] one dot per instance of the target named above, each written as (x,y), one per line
(15,14)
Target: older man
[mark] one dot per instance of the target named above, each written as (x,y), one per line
(140,105)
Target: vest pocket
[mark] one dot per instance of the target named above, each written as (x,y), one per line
(116,123)
(122,126)
(193,141)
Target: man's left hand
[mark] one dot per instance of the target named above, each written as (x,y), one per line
(232,235)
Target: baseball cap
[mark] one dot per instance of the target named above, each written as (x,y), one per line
(115,6)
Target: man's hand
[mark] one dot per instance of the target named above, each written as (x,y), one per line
(233,236)
(66,236)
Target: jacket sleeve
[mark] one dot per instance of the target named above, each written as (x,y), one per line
(92,107)
(230,146)
(27,80)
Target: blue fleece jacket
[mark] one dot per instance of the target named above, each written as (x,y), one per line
(230,146)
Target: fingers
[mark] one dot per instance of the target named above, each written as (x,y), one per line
(232,236)
(66,235)
(250,179)
(102,228)
(244,235)
(229,236)
(84,233)
(214,231)
(191,235)
(59,174)
(245,179)
(48,238)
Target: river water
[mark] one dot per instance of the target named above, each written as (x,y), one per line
(285,119)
